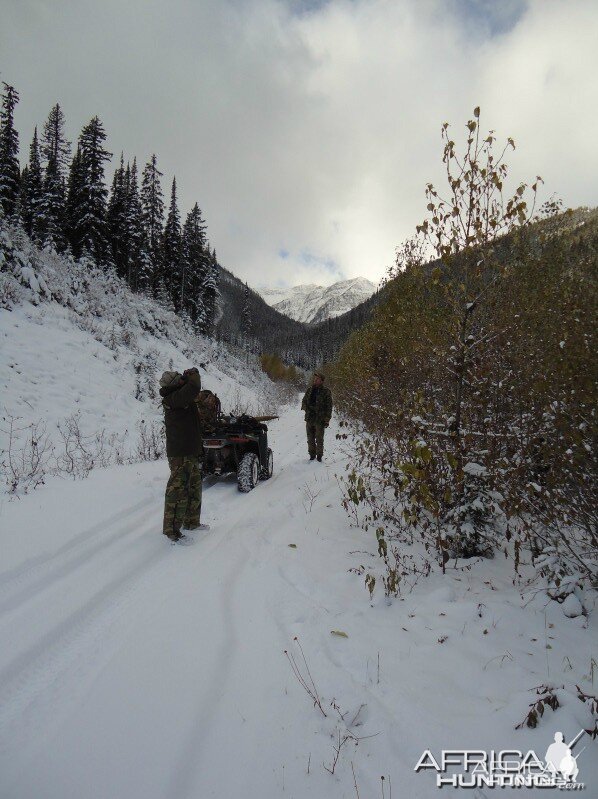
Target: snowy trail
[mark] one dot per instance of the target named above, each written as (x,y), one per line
(78,612)
(47,573)
(133,669)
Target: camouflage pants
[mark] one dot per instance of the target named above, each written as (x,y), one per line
(182,503)
(315,438)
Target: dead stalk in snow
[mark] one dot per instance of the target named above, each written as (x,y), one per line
(337,750)
(305,680)
(502,658)
(309,497)
(354,780)
(356,716)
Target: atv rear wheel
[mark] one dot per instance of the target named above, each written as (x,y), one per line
(269,466)
(248,473)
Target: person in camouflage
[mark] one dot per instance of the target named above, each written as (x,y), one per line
(184,448)
(317,404)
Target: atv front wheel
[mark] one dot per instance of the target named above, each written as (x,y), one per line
(269,466)
(248,473)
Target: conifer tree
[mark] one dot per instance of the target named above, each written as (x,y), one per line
(195,264)
(210,293)
(31,204)
(9,153)
(74,200)
(139,262)
(246,324)
(23,180)
(55,154)
(172,251)
(116,217)
(152,205)
(88,220)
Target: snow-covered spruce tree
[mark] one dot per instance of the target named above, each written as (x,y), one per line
(116,219)
(246,328)
(55,154)
(195,265)
(139,260)
(9,153)
(125,226)
(31,203)
(87,222)
(152,205)
(74,200)
(210,292)
(172,251)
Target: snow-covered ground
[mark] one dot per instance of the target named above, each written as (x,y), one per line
(133,668)
(50,369)
(81,353)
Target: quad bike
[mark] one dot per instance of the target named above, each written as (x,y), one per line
(239,444)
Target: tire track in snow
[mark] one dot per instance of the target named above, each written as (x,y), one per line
(185,772)
(33,564)
(57,569)
(185,782)
(37,673)
(53,567)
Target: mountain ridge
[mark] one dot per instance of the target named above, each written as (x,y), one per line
(312,304)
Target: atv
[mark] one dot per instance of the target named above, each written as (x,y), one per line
(239,444)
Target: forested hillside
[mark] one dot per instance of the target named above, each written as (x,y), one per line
(61,199)
(247,321)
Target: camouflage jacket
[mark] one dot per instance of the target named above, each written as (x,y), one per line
(181,419)
(320,410)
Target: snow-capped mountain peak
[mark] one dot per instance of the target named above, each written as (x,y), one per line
(310,303)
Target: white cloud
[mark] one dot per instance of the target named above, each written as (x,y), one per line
(312,132)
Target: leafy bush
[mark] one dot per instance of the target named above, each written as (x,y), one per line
(470,395)
(277,370)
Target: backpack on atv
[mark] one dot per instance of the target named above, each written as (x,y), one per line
(208,409)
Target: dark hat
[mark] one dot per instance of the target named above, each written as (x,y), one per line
(319,374)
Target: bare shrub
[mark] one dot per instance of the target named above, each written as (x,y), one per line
(151,445)
(28,456)
(78,454)
(241,404)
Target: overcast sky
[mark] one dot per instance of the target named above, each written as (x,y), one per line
(306,130)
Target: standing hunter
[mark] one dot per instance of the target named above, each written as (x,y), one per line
(317,404)
(184,448)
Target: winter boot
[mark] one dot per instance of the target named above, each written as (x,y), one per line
(183,541)
(319,459)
